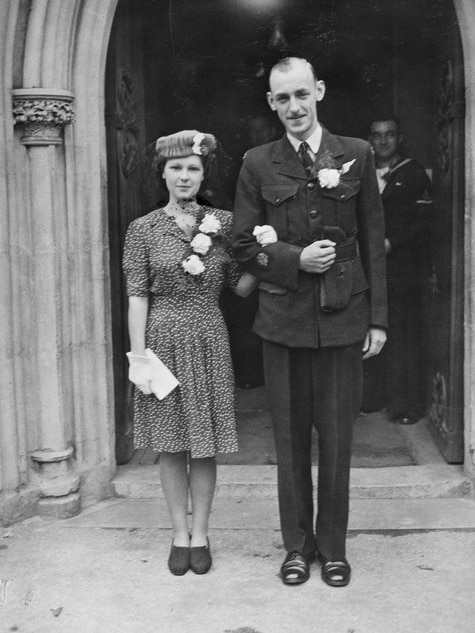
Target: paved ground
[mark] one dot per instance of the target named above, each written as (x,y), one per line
(105,572)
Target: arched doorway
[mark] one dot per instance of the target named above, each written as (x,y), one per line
(188,64)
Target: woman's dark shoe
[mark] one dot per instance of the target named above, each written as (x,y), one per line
(179,560)
(336,573)
(295,569)
(200,559)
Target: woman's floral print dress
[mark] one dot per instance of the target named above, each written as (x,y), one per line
(185,328)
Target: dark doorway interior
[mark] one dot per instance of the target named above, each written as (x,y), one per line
(203,64)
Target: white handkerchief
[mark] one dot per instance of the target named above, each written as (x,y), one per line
(162,381)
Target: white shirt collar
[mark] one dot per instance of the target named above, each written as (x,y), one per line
(313,141)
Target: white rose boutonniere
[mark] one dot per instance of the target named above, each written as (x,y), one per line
(201,243)
(193,265)
(330,178)
(210,224)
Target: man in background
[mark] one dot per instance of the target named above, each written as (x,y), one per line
(395,379)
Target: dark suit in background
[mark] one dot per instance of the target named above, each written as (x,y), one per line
(395,378)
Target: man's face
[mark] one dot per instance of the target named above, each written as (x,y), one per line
(384,139)
(293,95)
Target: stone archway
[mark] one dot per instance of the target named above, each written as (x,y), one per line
(57,431)
(57,439)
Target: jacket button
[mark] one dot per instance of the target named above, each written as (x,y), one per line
(277,200)
(313,213)
(311,185)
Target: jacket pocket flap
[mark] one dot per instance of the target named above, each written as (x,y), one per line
(344,190)
(276,194)
(272,288)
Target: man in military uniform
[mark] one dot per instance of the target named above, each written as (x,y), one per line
(395,379)
(322,306)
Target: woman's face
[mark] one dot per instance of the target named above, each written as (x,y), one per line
(183,177)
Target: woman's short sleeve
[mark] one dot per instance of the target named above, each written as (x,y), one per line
(136,262)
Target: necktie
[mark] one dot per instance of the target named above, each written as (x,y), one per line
(304,156)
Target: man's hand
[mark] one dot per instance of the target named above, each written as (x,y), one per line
(318,257)
(374,342)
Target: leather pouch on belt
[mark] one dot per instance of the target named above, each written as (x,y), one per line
(336,282)
(335,287)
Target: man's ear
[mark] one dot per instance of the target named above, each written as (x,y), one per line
(320,88)
(270,101)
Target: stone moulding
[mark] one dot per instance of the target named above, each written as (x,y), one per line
(42,113)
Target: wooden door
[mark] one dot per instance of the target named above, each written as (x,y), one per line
(128,188)
(447,278)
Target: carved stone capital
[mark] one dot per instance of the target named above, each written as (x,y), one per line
(43,113)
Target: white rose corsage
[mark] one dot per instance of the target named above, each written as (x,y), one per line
(330,178)
(201,243)
(210,224)
(193,265)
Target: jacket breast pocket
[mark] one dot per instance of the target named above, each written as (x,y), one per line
(344,195)
(276,199)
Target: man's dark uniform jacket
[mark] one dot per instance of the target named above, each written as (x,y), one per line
(312,354)
(274,189)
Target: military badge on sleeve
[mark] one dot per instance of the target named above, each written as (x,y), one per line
(262,259)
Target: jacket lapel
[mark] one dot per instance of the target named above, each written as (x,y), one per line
(330,154)
(284,154)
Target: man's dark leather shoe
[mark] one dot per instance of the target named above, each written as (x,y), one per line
(296,568)
(335,573)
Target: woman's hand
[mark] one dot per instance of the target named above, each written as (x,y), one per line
(265,234)
(139,372)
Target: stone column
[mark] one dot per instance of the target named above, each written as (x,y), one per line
(42,115)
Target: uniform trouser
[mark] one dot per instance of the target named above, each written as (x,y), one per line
(320,387)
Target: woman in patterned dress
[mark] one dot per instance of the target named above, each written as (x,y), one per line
(176,261)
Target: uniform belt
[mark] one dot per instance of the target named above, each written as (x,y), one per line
(346,251)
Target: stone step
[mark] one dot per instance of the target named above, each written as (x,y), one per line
(263,514)
(430,481)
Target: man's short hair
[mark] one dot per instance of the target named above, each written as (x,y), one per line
(386,117)
(287,63)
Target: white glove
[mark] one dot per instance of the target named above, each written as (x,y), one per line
(139,372)
(265,234)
